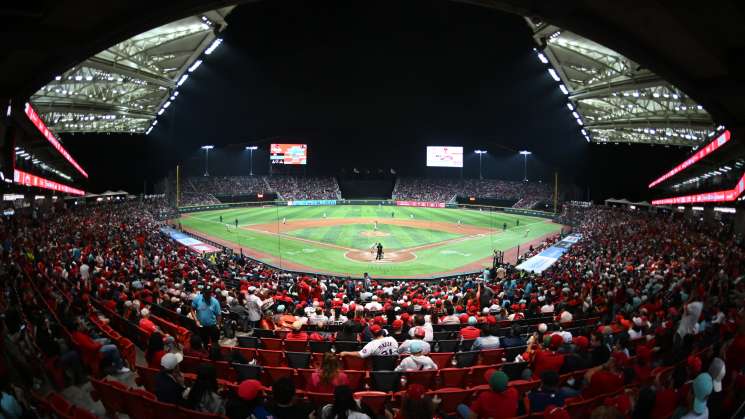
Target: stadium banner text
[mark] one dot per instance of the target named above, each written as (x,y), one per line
(27,179)
(420,204)
(311,202)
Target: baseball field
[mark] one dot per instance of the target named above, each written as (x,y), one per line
(340,240)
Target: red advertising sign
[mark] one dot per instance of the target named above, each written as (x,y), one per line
(27,179)
(420,204)
(719,196)
(700,154)
(36,120)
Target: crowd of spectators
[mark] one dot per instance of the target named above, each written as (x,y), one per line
(663,293)
(206,190)
(299,188)
(525,194)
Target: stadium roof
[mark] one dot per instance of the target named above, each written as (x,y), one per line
(614,99)
(125,87)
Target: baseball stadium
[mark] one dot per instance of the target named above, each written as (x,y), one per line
(451,209)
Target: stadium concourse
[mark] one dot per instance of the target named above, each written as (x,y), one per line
(641,318)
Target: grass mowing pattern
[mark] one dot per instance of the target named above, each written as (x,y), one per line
(429,262)
(352,235)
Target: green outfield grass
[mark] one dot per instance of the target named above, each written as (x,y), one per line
(353,235)
(322,248)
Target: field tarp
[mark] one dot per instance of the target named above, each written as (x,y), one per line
(548,257)
(188,241)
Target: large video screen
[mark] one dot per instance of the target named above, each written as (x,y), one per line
(289,153)
(444,156)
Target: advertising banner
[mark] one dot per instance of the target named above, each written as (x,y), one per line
(311,202)
(420,204)
(548,257)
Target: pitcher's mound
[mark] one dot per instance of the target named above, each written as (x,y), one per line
(373,233)
(388,257)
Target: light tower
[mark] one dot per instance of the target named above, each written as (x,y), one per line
(481,154)
(207,149)
(251,149)
(525,154)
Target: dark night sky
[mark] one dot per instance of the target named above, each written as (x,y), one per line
(369,85)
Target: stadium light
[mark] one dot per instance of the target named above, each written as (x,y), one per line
(564,89)
(543,58)
(481,154)
(525,154)
(207,149)
(251,149)
(194,66)
(553,74)
(216,43)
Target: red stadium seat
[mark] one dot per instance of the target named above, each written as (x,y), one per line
(296,345)
(275,373)
(225,371)
(191,364)
(356,378)
(320,399)
(375,400)
(442,359)
(354,363)
(59,404)
(80,413)
(272,344)
(454,377)
(426,378)
(270,358)
(146,377)
(491,356)
(478,374)
(451,398)
(524,386)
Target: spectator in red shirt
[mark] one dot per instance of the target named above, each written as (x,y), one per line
(498,402)
(297,332)
(109,351)
(155,350)
(146,324)
(471,331)
(603,379)
(548,359)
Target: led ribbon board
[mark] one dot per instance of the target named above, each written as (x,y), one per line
(719,196)
(27,179)
(36,120)
(710,148)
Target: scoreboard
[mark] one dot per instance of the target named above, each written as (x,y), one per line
(289,153)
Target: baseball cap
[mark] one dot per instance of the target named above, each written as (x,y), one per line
(702,387)
(249,389)
(419,332)
(416,347)
(498,381)
(717,370)
(280,308)
(169,361)
(556,341)
(375,329)
(472,321)
(694,363)
(398,323)
(581,341)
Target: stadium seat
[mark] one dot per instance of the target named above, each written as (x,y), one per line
(442,359)
(454,377)
(248,341)
(247,372)
(491,356)
(524,386)
(272,344)
(109,395)
(275,373)
(451,398)
(59,404)
(478,374)
(264,333)
(354,363)
(466,344)
(80,413)
(347,346)
(320,399)
(270,358)
(296,345)
(225,371)
(298,359)
(388,381)
(466,359)
(427,378)
(356,378)
(447,345)
(146,377)
(320,346)
(384,363)
(191,364)
(514,370)
(444,335)
(374,400)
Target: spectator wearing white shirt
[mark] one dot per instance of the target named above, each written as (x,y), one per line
(419,334)
(318,318)
(381,345)
(417,361)
(429,333)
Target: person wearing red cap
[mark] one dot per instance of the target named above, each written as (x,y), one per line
(249,402)
(397,331)
(471,331)
(380,345)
